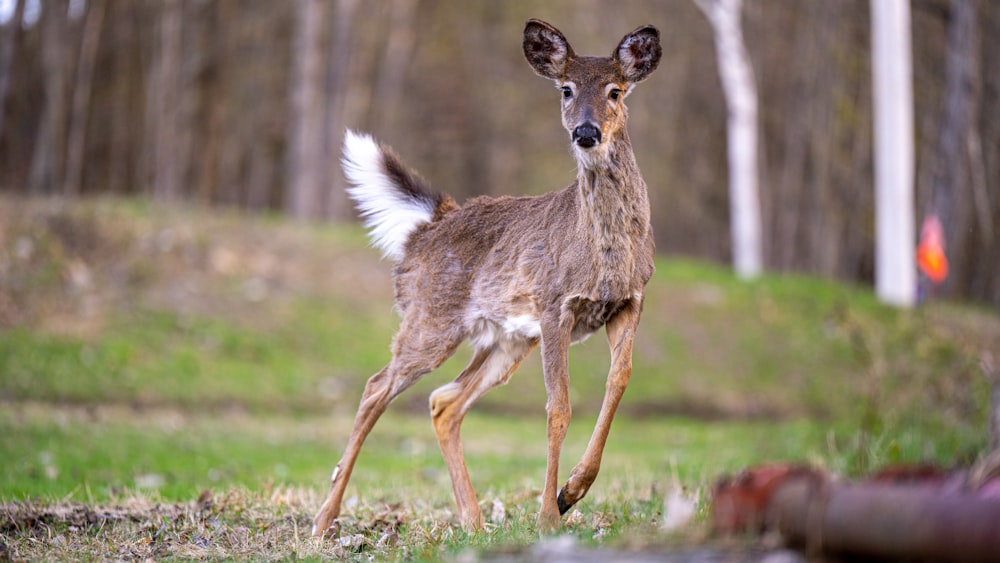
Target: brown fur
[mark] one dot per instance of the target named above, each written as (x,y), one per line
(511,273)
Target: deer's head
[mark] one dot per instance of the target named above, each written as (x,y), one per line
(593,89)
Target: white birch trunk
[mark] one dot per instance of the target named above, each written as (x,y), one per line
(892,82)
(736,74)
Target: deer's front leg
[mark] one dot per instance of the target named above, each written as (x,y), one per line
(621,332)
(555,354)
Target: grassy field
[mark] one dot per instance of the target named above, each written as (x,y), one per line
(178,383)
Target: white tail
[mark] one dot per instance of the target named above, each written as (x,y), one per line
(391,213)
(508,274)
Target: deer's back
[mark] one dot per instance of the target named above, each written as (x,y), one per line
(502,261)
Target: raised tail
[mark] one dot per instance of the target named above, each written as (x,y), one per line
(392,199)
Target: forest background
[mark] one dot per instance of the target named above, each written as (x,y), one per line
(243,103)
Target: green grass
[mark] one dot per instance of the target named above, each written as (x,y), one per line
(177,352)
(268,471)
(94,454)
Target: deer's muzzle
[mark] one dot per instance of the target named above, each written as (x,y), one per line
(587,135)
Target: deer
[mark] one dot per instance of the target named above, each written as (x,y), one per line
(510,274)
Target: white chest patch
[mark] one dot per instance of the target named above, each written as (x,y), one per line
(522,325)
(488,332)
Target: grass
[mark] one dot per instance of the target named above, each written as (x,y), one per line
(93,454)
(162,461)
(178,384)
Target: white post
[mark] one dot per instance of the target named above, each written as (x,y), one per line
(892,83)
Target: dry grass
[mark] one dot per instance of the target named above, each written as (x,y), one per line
(275,525)
(238,524)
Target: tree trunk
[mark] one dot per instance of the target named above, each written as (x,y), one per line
(342,46)
(307,152)
(81,98)
(895,273)
(127,141)
(167,98)
(50,144)
(7,50)
(951,176)
(212,77)
(396,57)
(736,74)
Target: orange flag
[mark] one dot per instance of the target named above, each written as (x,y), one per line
(930,252)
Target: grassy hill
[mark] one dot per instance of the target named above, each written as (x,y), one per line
(163,351)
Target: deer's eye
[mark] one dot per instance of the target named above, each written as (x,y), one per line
(567,92)
(615,93)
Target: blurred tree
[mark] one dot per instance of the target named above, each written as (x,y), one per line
(81,97)
(50,142)
(446,84)
(124,101)
(8,46)
(339,73)
(306,173)
(740,88)
(166,160)
(951,178)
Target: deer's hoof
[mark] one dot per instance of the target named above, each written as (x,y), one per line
(563,504)
(325,527)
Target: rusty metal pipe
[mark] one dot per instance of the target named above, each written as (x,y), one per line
(878,521)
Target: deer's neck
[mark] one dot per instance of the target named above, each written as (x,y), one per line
(614,207)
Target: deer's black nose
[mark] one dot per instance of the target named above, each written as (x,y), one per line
(586,135)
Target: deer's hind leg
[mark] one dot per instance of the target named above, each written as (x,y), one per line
(489,368)
(416,352)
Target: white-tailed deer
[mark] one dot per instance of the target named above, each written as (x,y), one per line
(509,273)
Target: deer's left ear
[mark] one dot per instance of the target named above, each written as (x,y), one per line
(639,53)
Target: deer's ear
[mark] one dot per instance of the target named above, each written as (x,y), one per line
(546,49)
(639,53)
